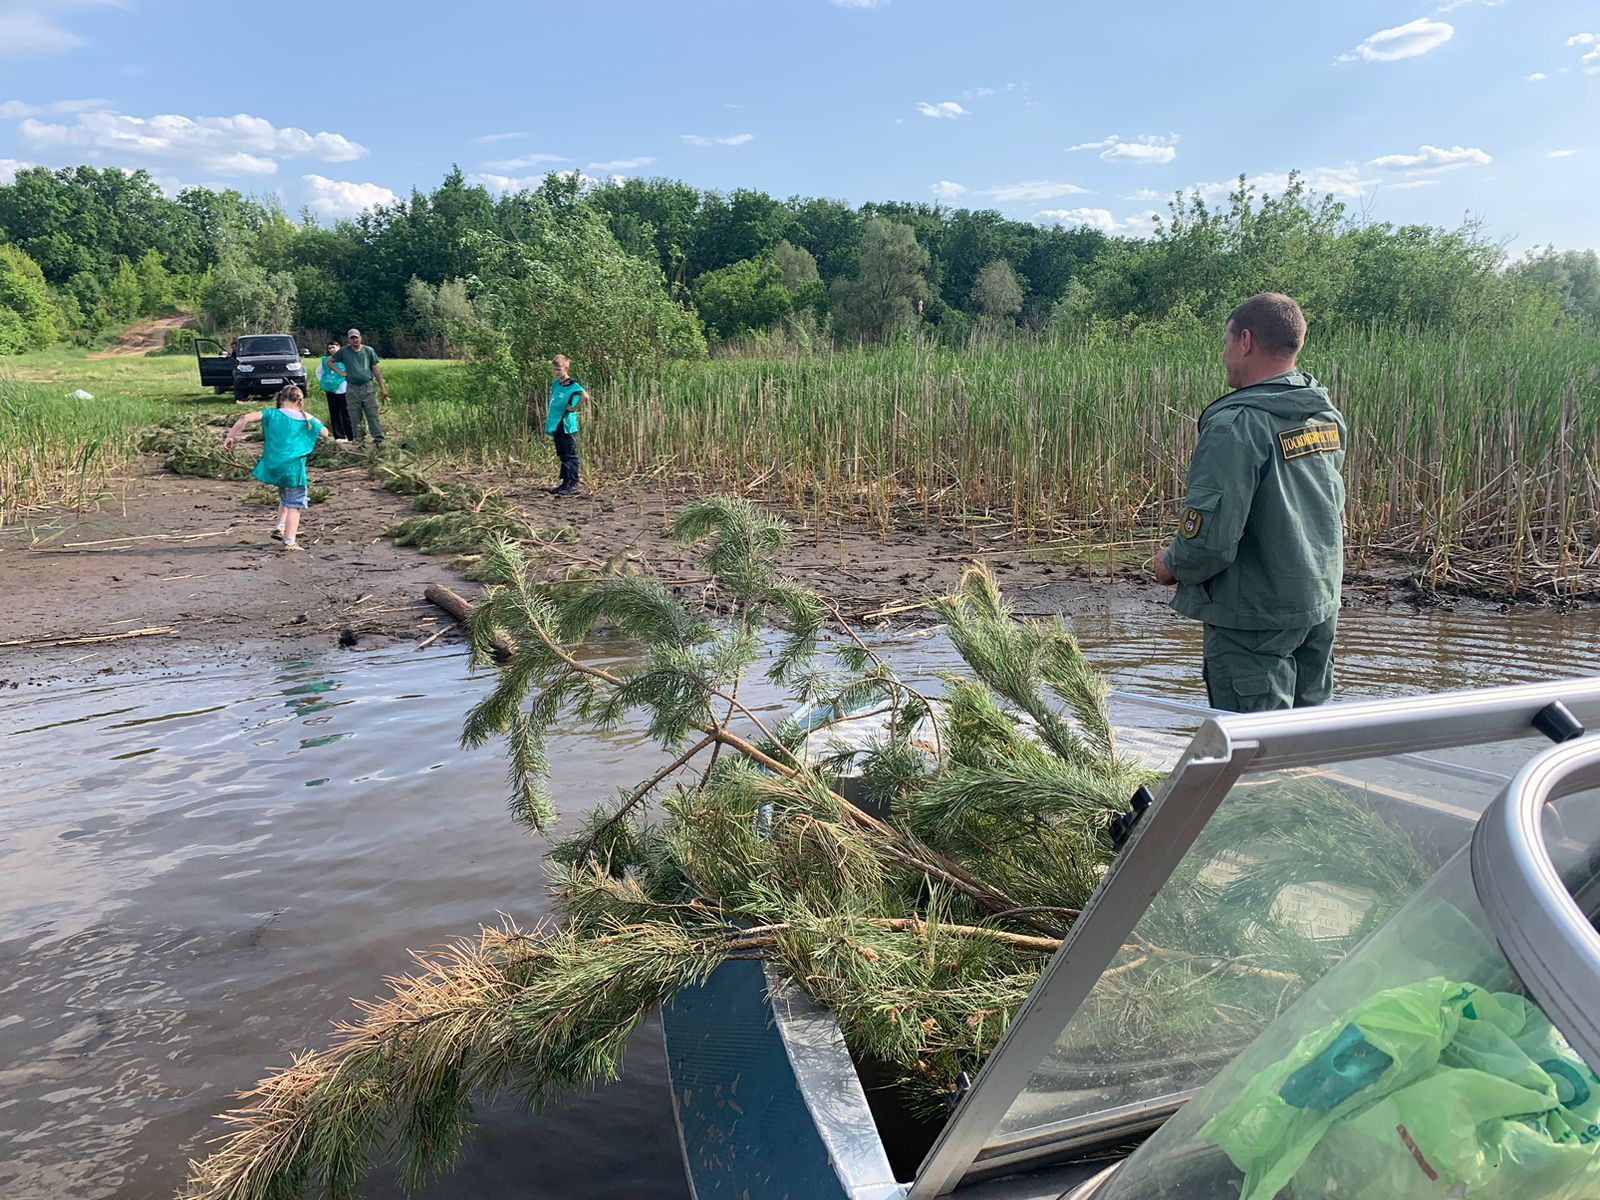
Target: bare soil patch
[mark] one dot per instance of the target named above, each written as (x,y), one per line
(142,337)
(193,559)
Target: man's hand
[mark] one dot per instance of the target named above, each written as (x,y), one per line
(1158,568)
(227,441)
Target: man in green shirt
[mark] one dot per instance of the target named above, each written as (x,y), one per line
(360,362)
(1259,553)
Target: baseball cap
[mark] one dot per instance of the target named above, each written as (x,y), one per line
(352,333)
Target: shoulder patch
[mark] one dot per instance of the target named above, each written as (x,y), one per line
(1310,439)
(1189,526)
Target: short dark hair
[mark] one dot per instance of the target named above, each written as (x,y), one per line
(1276,321)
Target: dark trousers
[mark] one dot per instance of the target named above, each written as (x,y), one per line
(567,452)
(338,415)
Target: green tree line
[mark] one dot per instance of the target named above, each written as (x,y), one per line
(83,250)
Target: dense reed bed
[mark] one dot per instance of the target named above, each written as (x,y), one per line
(1474,460)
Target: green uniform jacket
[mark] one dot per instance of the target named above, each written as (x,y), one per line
(1260,542)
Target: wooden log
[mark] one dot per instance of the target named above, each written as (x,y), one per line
(458,607)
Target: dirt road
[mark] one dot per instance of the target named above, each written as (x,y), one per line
(142,337)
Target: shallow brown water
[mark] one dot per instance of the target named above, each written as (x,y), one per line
(197,872)
(195,876)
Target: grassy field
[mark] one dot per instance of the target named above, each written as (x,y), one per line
(56,450)
(1478,461)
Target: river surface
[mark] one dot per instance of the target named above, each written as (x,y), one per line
(198,871)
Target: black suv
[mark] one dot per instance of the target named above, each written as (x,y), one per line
(260,364)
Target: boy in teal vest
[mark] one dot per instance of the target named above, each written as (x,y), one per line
(561,423)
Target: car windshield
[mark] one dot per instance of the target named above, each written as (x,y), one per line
(252,347)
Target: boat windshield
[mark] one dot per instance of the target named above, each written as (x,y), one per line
(1293,870)
(1426,1062)
(1276,847)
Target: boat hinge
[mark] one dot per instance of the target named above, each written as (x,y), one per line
(1122,824)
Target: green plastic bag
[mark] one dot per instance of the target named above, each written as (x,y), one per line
(1432,1089)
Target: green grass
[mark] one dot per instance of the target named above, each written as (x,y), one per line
(1478,460)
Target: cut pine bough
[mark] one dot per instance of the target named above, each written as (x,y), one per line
(920,932)
(458,517)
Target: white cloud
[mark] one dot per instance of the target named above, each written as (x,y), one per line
(1097,218)
(503,185)
(30,27)
(1146,194)
(336,198)
(1148,149)
(9,168)
(1140,152)
(236,145)
(484,139)
(1406,185)
(1563,153)
(1591,62)
(730,139)
(859,3)
(524,162)
(1452,5)
(945,110)
(622,164)
(1536,77)
(1583,39)
(1033,191)
(1342,183)
(1429,160)
(1411,40)
(15,110)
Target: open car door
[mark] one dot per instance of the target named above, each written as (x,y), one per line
(215,363)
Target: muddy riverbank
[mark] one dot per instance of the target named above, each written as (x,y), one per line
(174,572)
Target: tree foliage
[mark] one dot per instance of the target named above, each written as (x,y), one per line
(997,293)
(1569,277)
(82,224)
(239,295)
(28,316)
(747,296)
(566,286)
(892,280)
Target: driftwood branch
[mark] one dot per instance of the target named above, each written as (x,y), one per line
(57,640)
(458,607)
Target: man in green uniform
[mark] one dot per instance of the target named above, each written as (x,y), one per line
(365,378)
(1259,553)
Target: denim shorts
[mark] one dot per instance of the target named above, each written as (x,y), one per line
(294,497)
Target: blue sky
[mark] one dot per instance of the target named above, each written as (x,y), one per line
(1050,111)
